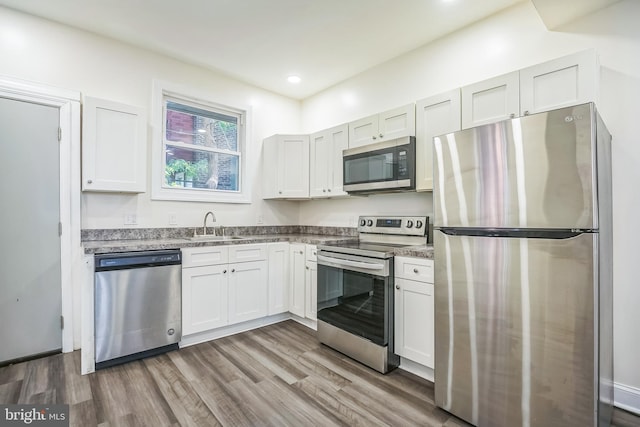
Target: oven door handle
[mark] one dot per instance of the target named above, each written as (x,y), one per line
(347,263)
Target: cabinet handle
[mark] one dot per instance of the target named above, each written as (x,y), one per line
(526,113)
(374,137)
(233,270)
(307,268)
(301,252)
(398,287)
(89,181)
(381,135)
(512,115)
(329,190)
(415,270)
(279,192)
(224,271)
(324,191)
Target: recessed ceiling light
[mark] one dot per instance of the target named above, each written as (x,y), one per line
(294,79)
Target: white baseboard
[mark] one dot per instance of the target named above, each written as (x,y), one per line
(232,329)
(416,369)
(626,397)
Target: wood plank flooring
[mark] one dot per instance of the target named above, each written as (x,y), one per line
(279,375)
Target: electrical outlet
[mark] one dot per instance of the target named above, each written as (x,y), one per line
(260,219)
(173,218)
(130,219)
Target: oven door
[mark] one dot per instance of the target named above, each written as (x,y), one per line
(355,294)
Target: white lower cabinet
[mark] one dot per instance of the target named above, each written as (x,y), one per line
(224,292)
(247,291)
(204,298)
(303,283)
(278,254)
(311,288)
(297,264)
(414,313)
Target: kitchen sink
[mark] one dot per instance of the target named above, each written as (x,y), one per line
(212,238)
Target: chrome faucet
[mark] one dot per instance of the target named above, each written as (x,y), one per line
(204,227)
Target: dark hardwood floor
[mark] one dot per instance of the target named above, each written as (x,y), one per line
(278,375)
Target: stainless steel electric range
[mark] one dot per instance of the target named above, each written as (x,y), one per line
(355,289)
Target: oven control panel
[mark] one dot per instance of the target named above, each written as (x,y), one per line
(400,225)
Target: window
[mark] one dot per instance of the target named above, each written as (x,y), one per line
(203,151)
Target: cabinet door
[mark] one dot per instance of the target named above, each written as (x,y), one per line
(204,298)
(297,279)
(270,173)
(363,131)
(562,82)
(278,286)
(491,100)
(311,290)
(339,137)
(397,123)
(414,321)
(319,150)
(247,291)
(293,166)
(114,147)
(435,116)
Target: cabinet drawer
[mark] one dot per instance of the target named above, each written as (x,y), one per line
(207,255)
(252,252)
(414,269)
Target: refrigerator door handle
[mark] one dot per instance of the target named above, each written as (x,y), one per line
(530,233)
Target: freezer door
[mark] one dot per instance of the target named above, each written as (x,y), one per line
(515,337)
(532,172)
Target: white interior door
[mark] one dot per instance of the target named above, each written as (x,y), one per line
(30,265)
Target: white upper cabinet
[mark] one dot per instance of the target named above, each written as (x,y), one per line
(569,80)
(114,147)
(435,116)
(325,163)
(491,100)
(562,82)
(383,127)
(285,167)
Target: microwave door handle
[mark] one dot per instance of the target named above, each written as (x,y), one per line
(348,263)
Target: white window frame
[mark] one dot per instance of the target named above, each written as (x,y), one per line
(160,191)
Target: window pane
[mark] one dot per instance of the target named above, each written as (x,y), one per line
(201,169)
(197,126)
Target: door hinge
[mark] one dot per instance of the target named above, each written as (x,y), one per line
(59,134)
(61,322)
(59,229)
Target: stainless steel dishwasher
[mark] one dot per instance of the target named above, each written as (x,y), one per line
(138,309)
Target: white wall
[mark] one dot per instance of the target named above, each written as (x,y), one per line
(508,41)
(46,52)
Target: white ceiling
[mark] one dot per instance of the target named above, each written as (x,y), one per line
(262,42)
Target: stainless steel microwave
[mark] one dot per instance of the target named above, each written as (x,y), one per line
(381,167)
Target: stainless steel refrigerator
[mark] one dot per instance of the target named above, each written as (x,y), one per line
(523,271)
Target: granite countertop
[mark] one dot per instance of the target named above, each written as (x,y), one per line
(109,246)
(126,240)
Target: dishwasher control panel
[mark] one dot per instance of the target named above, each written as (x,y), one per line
(137,259)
